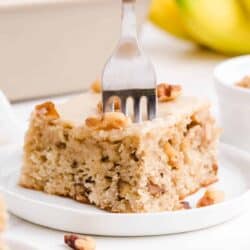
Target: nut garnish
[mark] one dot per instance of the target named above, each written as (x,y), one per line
(172,154)
(155,189)
(124,188)
(185,205)
(108,121)
(210,197)
(96,86)
(244,83)
(215,167)
(47,109)
(117,105)
(167,92)
(78,242)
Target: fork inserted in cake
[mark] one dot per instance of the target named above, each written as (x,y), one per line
(129,73)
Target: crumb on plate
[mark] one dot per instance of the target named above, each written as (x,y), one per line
(211,197)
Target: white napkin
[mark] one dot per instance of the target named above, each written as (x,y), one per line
(11,129)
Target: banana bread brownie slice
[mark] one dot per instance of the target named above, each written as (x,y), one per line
(117,165)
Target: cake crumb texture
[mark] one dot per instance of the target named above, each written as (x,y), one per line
(147,167)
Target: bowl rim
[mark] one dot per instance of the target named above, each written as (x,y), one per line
(222,66)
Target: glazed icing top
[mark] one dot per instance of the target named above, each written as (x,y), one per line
(77,109)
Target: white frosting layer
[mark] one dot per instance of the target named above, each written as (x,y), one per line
(79,108)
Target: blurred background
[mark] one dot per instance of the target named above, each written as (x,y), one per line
(53,47)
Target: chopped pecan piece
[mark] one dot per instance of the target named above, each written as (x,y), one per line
(172,154)
(96,86)
(124,188)
(167,92)
(99,107)
(155,189)
(244,83)
(211,197)
(215,167)
(47,109)
(77,242)
(108,121)
(185,205)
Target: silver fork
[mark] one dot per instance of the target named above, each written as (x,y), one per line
(129,73)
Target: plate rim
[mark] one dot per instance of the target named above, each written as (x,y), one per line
(128,224)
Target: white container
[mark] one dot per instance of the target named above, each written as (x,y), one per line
(234,102)
(50,47)
(11,129)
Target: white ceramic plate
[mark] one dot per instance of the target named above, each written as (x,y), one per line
(14,244)
(68,215)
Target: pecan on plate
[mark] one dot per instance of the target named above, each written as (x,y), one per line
(79,242)
(210,197)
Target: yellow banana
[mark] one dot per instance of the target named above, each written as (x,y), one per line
(166,15)
(246,5)
(219,24)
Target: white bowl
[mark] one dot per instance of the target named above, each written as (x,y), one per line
(234,102)
(11,129)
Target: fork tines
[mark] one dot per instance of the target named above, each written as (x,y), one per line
(136,95)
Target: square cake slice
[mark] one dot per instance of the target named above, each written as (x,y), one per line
(73,150)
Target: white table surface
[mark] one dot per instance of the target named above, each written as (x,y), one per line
(176,62)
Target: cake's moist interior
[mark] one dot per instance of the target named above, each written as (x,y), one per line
(139,172)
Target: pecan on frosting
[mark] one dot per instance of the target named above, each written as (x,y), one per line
(108,121)
(47,109)
(167,92)
(96,86)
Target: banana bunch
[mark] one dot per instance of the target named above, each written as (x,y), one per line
(222,25)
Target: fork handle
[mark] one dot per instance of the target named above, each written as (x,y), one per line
(129,28)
